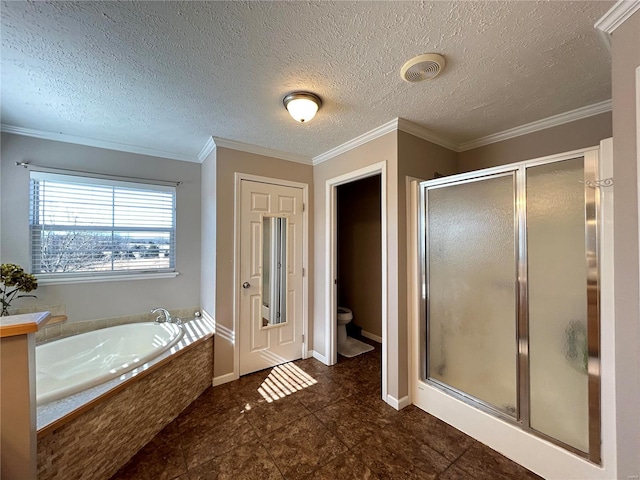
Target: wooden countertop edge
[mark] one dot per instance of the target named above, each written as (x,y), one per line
(25,328)
(117,389)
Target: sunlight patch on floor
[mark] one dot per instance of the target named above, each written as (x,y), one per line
(284,380)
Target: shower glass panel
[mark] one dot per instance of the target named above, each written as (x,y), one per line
(511,295)
(557,282)
(472,306)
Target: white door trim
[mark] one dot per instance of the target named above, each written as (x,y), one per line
(239,177)
(413,279)
(331,266)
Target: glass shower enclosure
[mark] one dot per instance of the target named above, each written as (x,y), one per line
(510,295)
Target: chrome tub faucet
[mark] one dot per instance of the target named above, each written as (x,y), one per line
(164,316)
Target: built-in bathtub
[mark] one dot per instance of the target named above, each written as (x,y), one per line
(73,364)
(93,432)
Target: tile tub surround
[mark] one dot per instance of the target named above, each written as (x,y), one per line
(54,414)
(69,328)
(98,442)
(54,310)
(336,428)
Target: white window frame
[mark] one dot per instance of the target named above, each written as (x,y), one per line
(109,275)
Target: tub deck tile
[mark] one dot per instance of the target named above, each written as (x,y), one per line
(53,415)
(104,438)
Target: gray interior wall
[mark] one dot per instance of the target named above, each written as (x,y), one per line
(583,133)
(87,301)
(625,60)
(209,193)
(359,252)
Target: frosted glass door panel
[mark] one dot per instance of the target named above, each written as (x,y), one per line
(557,275)
(472,291)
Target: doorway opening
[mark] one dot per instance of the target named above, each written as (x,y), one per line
(359,257)
(357,266)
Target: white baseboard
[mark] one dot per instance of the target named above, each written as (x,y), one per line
(399,404)
(319,357)
(371,336)
(226,378)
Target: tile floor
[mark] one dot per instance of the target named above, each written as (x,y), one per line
(329,424)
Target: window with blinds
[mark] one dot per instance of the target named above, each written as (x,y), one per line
(83,226)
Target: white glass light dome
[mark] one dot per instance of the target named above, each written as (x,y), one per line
(302,106)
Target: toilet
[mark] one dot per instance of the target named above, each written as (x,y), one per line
(348,346)
(344,316)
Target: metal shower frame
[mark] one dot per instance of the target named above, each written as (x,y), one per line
(592,208)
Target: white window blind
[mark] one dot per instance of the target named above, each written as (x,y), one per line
(83,226)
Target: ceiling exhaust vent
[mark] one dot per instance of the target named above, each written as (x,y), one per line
(422,67)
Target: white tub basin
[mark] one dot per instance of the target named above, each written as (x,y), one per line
(73,364)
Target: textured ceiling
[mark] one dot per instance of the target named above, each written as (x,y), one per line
(168,75)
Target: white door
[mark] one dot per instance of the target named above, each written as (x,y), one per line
(270,256)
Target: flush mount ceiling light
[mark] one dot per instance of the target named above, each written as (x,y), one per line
(302,106)
(422,67)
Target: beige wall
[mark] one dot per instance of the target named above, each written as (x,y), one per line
(87,301)
(18,407)
(406,155)
(417,158)
(382,149)
(571,136)
(228,163)
(625,60)
(359,252)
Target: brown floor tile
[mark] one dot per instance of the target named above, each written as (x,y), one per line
(313,367)
(159,459)
(246,390)
(454,473)
(302,447)
(373,400)
(205,438)
(351,422)
(483,463)
(345,467)
(266,417)
(324,393)
(248,462)
(130,471)
(361,379)
(234,432)
(394,454)
(221,399)
(201,415)
(443,438)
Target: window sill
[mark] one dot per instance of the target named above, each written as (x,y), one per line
(42,280)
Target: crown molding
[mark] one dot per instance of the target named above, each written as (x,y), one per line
(617,15)
(91,142)
(208,147)
(554,121)
(392,125)
(255,149)
(426,134)
(356,142)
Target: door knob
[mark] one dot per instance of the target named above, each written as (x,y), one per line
(246,285)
